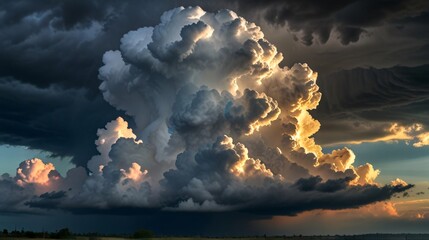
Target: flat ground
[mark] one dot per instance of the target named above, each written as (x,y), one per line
(352,237)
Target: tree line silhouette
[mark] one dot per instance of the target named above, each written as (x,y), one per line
(65,233)
(60,234)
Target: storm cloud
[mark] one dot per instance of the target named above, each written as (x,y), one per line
(50,47)
(369,105)
(60,121)
(318,21)
(208,99)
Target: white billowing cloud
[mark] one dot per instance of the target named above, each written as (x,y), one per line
(190,46)
(114,187)
(126,169)
(108,136)
(252,110)
(201,117)
(223,127)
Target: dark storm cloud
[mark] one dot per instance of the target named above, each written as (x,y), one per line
(304,195)
(47,200)
(316,184)
(360,104)
(319,19)
(69,13)
(63,122)
(366,89)
(50,53)
(350,197)
(43,43)
(15,193)
(60,43)
(217,176)
(53,195)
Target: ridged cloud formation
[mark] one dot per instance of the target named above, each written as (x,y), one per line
(219,126)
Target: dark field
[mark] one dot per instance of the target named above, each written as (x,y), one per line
(347,237)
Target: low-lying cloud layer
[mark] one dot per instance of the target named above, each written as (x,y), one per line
(219,126)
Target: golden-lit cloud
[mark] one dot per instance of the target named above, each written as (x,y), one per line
(341,159)
(34,171)
(413,208)
(135,173)
(414,133)
(246,167)
(366,174)
(398,182)
(423,140)
(108,136)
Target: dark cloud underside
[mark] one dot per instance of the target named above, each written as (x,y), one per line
(358,104)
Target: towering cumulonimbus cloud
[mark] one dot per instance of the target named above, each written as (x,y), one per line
(220,126)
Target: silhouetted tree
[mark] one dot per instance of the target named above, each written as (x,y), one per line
(143,233)
(30,234)
(62,233)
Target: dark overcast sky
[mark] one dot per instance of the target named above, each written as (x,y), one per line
(50,49)
(372,57)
